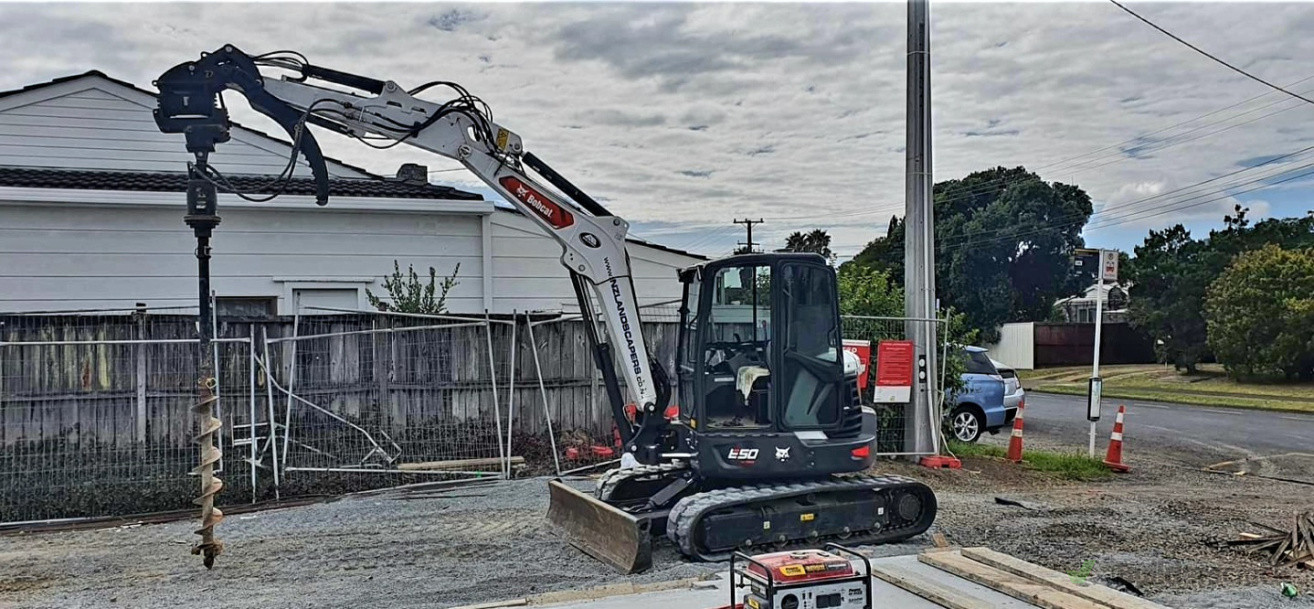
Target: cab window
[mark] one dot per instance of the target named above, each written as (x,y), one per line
(736,367)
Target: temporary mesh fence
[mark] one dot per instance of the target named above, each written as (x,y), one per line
(379,393)
(95,413)
(896,423)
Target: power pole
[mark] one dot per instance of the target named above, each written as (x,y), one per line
(919,240)
(748,225)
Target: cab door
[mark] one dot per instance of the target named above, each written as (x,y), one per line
(810,375)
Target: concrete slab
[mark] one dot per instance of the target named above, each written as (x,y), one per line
(716,593)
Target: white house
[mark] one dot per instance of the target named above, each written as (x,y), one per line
(91,207)
(1081,309)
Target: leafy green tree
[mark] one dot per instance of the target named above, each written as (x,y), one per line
(867,291)
(1260,314)
(1172,271)
(816,241)
(1004,241)
(409,294)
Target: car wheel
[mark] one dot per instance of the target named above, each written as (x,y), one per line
(965,424)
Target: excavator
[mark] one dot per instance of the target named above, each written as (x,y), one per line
(760,442)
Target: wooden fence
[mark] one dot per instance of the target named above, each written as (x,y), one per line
(95,417)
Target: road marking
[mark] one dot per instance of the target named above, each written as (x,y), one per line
(1159,406)
(1301,419)
(1216,411)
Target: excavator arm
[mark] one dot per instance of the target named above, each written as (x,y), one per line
(592,239)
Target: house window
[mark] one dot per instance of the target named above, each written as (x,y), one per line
(245,306)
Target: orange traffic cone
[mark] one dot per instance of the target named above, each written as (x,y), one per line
(1015,443)
(1114,457)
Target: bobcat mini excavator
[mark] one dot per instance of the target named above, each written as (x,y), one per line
(759,441)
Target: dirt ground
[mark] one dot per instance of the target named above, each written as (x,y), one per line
(1159,527)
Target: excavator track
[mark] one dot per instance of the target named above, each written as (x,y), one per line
(710,525)
(633,483)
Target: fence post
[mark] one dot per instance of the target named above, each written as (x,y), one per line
(511,398)
(270,441)
(291,375)
(492,370)
(542,391)
(141,379)
(251,404)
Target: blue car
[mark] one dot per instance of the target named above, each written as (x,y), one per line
(979,406)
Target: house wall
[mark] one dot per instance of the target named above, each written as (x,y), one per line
(58,257)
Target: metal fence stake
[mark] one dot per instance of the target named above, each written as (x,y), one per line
(542,391)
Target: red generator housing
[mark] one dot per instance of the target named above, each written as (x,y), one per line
(802,579)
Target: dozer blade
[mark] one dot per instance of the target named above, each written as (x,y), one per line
(600,530)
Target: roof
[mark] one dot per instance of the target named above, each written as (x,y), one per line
(177,182)
(124,83)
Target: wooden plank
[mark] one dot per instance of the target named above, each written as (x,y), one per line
(1100,594)
(457,464)
(926,588)
(1017,587)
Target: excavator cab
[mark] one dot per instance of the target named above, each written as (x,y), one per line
(763,384)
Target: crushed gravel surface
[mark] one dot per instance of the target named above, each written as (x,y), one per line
(1159,527)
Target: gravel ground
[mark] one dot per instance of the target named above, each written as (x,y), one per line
(1156,527)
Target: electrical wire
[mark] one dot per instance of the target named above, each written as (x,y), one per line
(1210,55)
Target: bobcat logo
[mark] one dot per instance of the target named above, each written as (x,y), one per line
(782,454)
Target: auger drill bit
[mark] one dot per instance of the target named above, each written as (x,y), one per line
(208,546)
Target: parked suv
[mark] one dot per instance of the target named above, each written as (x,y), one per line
(979,406)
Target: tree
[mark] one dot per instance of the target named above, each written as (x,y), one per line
(867,291)
(816,241)
(408,294)
(1004,240)
(1260,314)
(1172,272)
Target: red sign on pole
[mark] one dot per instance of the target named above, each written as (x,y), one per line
(895,365)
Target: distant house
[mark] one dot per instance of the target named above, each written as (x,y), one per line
(1081,309)
(91,206)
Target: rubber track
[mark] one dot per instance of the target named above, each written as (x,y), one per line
(614,478)
(686,514)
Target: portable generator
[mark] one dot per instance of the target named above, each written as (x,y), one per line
(802,579)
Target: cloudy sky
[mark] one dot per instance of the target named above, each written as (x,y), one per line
(682,117)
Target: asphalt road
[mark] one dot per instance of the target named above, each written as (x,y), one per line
(1207,431)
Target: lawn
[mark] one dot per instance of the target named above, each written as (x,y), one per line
(1209,387)
(1067,466)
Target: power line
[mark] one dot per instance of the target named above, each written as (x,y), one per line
(1210,55)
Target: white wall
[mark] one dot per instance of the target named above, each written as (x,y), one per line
(55,257)
(1016,346)
(529,275)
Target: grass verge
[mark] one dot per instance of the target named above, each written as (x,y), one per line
(1209,387)
(1065,466)
(1181,397)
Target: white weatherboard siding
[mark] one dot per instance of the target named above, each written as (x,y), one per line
(95,123)
(80,257)
(58,257)
(528,274)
